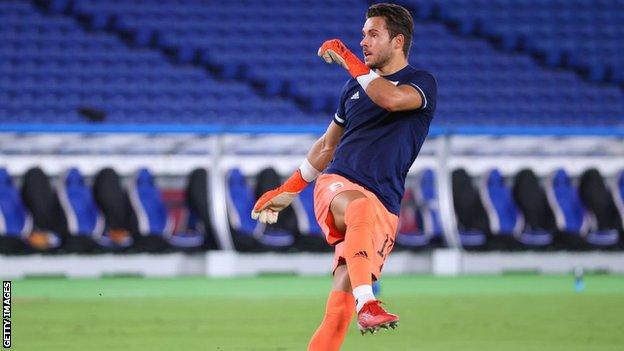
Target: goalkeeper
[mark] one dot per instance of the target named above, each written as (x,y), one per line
(360,165)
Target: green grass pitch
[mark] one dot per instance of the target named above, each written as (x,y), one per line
(509,312)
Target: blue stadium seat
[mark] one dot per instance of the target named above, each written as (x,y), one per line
(308,223)
(617,190)
(427,197)
(571,216)
(410,233)
(419,222)
(311,236)
(153,217)
(82,214)
(15,220)
(147,203)
(250,235)
(505,219)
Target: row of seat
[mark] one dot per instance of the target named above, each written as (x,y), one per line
(538,29)
(490,214)
(102,70)
(37,79)
(232,56)
(162,54)
(73,216)
(552,213)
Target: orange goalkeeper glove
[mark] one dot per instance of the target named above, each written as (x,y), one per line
(335,51)
(270,203)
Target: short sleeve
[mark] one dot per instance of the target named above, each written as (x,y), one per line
(340,115)
(427,87)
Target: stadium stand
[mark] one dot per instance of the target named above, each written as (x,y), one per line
(52,67)
(204,62)
(580,35)
(249,62)
(232,39)
(504,86)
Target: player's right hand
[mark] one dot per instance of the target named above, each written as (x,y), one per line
(336,51)
(270,203)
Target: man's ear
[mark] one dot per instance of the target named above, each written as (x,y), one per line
(399,40)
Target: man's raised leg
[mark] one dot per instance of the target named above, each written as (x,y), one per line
(355,213)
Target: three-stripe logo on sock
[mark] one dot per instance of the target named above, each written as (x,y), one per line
(361,254)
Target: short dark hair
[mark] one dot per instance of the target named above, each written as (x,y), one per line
(398,21)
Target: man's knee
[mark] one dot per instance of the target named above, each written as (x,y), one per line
(360,212)
(339,206)
(341,279)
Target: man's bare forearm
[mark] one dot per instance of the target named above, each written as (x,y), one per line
(321,154)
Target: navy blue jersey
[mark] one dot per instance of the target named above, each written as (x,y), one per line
(378,147)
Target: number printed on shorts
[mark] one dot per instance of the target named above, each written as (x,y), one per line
(386,247)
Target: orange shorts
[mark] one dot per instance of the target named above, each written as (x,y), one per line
(384,234)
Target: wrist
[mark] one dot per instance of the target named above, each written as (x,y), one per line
(365,79)
(308,172)
(357,68)
(295,184)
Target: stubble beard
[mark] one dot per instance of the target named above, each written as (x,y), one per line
(381,62)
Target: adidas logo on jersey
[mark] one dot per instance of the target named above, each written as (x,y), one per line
(355,96)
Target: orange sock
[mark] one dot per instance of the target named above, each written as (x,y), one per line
(331,333)
(358,249)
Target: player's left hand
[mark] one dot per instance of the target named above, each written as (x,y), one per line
(269,205)
(335,51)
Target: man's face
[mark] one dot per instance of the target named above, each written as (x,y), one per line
(376,43)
